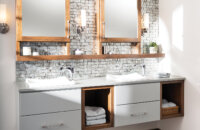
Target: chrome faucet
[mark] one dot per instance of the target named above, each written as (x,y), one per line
(143,68)
(69,70)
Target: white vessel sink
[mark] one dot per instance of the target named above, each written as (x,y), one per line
(47,83)
(124,77)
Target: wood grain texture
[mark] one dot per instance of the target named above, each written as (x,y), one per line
(68,49)
(67,21)
(83,109)
(17,48)
(96,127)
(102,19)
(174,92)
(18,20)
(44,39)
(18,26)
(139,25)
(76,57)
(118,40)
(97,48)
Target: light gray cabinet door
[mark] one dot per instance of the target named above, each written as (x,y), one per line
(127,94)
(137,113)
(50,101)
(54,121)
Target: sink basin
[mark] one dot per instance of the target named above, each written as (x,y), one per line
(46,83)
(124,77)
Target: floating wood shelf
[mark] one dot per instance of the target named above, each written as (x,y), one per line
(119,40)
(76,57)
(173,116)
(101,126)
(44,39)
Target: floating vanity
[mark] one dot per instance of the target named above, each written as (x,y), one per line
(126,103)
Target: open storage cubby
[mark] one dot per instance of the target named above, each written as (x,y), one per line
(173,91)
(99,97)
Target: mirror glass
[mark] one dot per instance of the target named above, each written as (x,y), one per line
(121,18)
(43,18)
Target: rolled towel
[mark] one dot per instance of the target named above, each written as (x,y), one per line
(96,122)
(164,101)
(165,105)
(168,105)
(94,111)
(171,104)
(96,117)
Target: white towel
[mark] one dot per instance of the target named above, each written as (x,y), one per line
(164,101)
(96,117)
(94,111)
(165,105)
(171,104)
(96,122)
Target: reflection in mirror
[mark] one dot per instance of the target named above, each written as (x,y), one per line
(121,19)
(43,18)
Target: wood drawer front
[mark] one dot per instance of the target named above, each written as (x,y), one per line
(137,93)
(51,101)
(137,113)
(54,121)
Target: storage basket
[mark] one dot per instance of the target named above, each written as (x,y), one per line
(170,111)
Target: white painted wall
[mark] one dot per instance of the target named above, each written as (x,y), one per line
(179,32)
(7,73)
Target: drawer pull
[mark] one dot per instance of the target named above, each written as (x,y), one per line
(138,114)
(54,125)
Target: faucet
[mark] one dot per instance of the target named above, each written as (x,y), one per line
(143,68)
(70,71)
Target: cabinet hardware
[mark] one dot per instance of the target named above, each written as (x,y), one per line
(53,125)
(138,114)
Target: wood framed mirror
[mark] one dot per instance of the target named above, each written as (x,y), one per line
(46,20)
(120,21)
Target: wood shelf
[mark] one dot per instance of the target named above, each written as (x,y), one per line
(172,116)
(101,126)
(44,39)
(76,57)
(119,40)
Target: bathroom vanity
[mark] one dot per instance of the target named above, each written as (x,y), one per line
(54,32)
(63,107)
